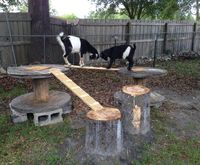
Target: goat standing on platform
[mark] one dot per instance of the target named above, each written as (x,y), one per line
(119,52)
(73,44)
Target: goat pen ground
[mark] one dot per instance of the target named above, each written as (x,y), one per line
(176,124)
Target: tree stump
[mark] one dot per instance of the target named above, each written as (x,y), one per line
(135,108)
(104,132)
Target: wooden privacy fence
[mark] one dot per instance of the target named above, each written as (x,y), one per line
(171,36)
(13,28)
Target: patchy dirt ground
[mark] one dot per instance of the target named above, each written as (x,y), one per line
(182,104)
(183,111)
(182,93)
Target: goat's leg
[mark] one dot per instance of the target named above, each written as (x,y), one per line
(130,64)
(110,63)
(81,61)
(66,52)
(66,60)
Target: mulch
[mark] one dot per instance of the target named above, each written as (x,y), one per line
(103,84)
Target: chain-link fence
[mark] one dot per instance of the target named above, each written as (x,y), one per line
(148,46)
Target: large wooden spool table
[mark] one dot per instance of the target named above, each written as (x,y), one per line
(140,76)
(46,105)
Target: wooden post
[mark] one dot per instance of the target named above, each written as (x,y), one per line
(155,51)
(40,25)
(193,36)
(128,30)
(41,89)
(165,37)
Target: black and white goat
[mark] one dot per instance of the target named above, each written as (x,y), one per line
(73,44)
(119,52)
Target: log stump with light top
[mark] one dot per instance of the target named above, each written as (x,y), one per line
(104,132)
(135,109)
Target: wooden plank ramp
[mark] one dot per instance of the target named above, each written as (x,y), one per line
(90,67)
(85,97)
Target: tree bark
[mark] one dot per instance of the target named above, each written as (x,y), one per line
(197,8)
(40,25)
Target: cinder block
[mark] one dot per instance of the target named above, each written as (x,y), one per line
(67,109)
(17,117)
(46,118)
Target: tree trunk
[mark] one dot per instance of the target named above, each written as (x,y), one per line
(40,25)
(197,8)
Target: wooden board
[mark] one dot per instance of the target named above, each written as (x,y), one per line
(85,97)
(91,67)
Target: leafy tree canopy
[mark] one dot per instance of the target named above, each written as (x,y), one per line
(134,9)
(104,15)
(69,16)
(10,5)
(20,5)
(145,9)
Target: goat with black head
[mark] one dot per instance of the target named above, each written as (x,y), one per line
(73,44)
(119,52)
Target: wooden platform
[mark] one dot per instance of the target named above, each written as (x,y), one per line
(90,67)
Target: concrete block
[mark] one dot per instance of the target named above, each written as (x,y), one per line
(67,109)
(17,117)
(46,118)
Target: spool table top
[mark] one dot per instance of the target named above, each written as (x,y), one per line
(34,71)
(143,72)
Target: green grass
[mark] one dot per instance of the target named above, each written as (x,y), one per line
(15,91)
(168,148)
(186,67)
(27,144)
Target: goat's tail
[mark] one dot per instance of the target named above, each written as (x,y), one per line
(58,38)
(134,46)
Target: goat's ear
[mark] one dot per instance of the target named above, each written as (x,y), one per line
(61,34)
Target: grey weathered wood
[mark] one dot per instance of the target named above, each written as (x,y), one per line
(103,138)
(27,104)
(100,33)
(25,72)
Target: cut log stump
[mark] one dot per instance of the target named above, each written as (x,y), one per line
(104,132)
(135,108)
